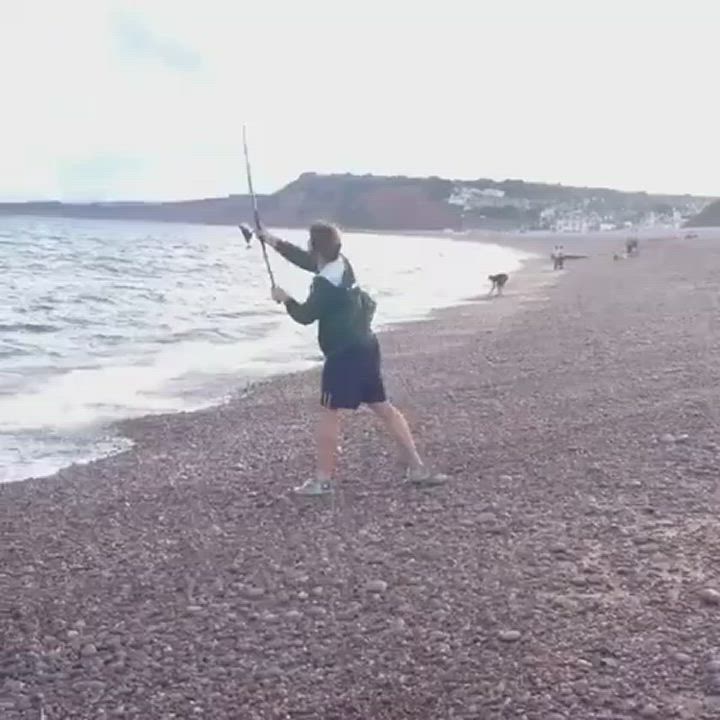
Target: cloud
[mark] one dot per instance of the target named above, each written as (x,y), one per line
(137,42)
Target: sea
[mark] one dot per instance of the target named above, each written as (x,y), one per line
(104,320)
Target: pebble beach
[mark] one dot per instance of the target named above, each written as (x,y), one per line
(568,571)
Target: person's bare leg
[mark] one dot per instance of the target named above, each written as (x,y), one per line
(397,427)
(327,442)
(328,429)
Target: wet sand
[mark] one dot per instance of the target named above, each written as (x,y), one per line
(569,570)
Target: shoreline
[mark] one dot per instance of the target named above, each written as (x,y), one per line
(533,276)
(569,569)
(122,430)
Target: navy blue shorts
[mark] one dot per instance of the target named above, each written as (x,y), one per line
(353,377)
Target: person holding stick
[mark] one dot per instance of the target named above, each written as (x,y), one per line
(352,374)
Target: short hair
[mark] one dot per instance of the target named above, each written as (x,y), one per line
(325,241)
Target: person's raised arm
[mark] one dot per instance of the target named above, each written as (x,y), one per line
(309,311)
(292,253)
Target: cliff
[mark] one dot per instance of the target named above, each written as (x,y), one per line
(402,203)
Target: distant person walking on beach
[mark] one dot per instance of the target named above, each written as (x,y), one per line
(631,247)
(352,371)
(558,258)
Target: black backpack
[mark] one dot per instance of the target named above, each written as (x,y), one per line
(364,302)
(367,309)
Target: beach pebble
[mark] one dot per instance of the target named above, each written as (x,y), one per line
(713,666)
(649,711)
(559,548)
(713,690)
(92,686)
(89,650)
(114,642)
(376,586)
(486,517)
(14,686)
(710,596)
(683,658)
(689,709)
(509,636)
(270,671)
(23,702)
(667,439)
(253,592)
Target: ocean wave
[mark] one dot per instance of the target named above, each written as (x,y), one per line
(240,314)
(11,352)
(102,299)
(198,334)
(28,327)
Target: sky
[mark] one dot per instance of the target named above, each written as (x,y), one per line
(145,99)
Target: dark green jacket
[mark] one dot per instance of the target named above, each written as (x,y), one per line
(344,312)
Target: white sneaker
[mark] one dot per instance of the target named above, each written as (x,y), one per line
(313,487)
(424,476)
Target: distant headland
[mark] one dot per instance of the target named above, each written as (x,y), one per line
(373,202)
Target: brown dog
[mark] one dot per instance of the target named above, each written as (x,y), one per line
(498,282)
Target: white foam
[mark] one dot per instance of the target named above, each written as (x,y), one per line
(88,397)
